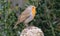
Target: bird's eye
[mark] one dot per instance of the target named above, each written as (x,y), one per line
(33,9)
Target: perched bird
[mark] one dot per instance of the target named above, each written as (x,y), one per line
(26,16)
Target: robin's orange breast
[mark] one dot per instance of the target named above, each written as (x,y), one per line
(33,11)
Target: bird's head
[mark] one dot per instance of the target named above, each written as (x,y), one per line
(32,8)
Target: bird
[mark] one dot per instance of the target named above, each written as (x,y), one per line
(26,16)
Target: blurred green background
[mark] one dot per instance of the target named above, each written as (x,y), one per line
(47,17)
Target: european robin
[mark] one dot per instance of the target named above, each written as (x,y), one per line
(27,15)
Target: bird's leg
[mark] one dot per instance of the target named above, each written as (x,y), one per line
(26,24)
(15,26)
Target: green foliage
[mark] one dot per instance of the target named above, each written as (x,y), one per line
(47,17)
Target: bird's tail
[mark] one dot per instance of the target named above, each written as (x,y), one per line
(15,26)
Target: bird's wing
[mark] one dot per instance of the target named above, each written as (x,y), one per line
(24,16)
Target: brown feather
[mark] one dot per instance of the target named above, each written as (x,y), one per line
(24,15)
